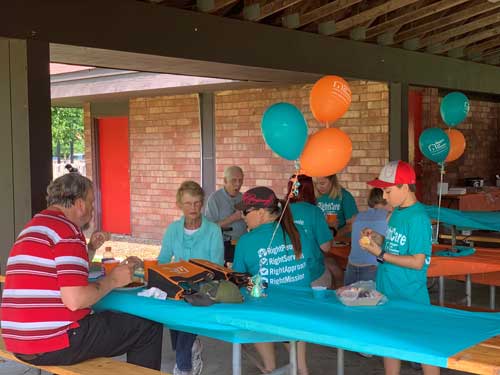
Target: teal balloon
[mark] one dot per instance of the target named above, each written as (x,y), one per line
(454,108)
(285,130)
(434,144)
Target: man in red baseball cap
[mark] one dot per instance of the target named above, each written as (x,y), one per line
(405,253)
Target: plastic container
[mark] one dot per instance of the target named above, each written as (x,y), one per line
(361,293)
(108,255)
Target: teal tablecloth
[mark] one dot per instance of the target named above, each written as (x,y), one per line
(489,220)
(419,333)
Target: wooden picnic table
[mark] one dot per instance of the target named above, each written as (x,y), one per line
(483,266)
(483,358)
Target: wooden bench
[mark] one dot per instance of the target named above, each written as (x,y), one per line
(96,366)
(483,358)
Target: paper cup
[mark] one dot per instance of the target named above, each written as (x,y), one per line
(331,219)
(110,265)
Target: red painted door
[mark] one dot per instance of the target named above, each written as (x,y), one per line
(114,174)
(415,128)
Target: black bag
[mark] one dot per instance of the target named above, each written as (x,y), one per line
(223,273)
(178,278)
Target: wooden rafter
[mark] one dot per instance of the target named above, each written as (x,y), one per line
(492,52)
(493,59)
(481,47)
(211,6)
(257,12)
(445,21)
(318,13)
(367,15)
(412,16)
(468,40)
(459,30)
(467,29)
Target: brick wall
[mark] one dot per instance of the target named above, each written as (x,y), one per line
(164,151)
(239,140)
(481,158)
(165,145)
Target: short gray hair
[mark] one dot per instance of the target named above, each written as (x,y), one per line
(66,189)
(192,188)
(228,172)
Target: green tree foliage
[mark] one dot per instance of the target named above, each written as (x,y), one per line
(67,131)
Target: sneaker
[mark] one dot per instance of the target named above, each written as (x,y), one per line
(196,359)
(180,372)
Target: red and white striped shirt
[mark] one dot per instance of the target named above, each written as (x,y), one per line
(49,253)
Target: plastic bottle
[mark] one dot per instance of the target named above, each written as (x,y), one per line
(108,255)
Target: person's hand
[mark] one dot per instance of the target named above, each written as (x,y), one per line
(236,215)
(97,239)
(367,241)
(121,275)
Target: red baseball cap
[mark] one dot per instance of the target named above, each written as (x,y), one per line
(394,173)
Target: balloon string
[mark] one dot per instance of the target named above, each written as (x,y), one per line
(440,192)
(281,216)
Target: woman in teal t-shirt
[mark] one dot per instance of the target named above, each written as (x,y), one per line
(282,255)
(192,236)
(332,198)
(309,217)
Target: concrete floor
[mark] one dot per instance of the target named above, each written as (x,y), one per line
(321,360)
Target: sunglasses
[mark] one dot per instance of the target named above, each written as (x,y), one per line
(248,210)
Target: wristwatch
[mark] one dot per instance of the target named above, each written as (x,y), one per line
(380,257)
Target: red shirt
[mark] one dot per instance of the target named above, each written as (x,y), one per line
(49,253)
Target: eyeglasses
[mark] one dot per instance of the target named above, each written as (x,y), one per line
(196,204)
(248,210)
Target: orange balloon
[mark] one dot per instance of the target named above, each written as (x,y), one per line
(326,152)
(330,98)
(457,144)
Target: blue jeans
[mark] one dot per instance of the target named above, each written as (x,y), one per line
(182,343)
(356,273)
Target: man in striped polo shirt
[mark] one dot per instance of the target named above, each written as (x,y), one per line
(47,298)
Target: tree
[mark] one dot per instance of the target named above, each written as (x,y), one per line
(67,132)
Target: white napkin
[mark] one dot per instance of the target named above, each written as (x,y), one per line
(153,292)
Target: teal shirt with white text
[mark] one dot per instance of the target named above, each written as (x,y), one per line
(311,219)
(344,207)
(278,265)
(409,232)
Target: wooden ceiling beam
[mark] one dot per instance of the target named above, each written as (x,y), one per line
(459,30)
(296,20)
(445,21)
(493,59)
(481,47)
(466,41)
(412,16)
(369,14)
(257,12)
(492,52)
(212,6)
